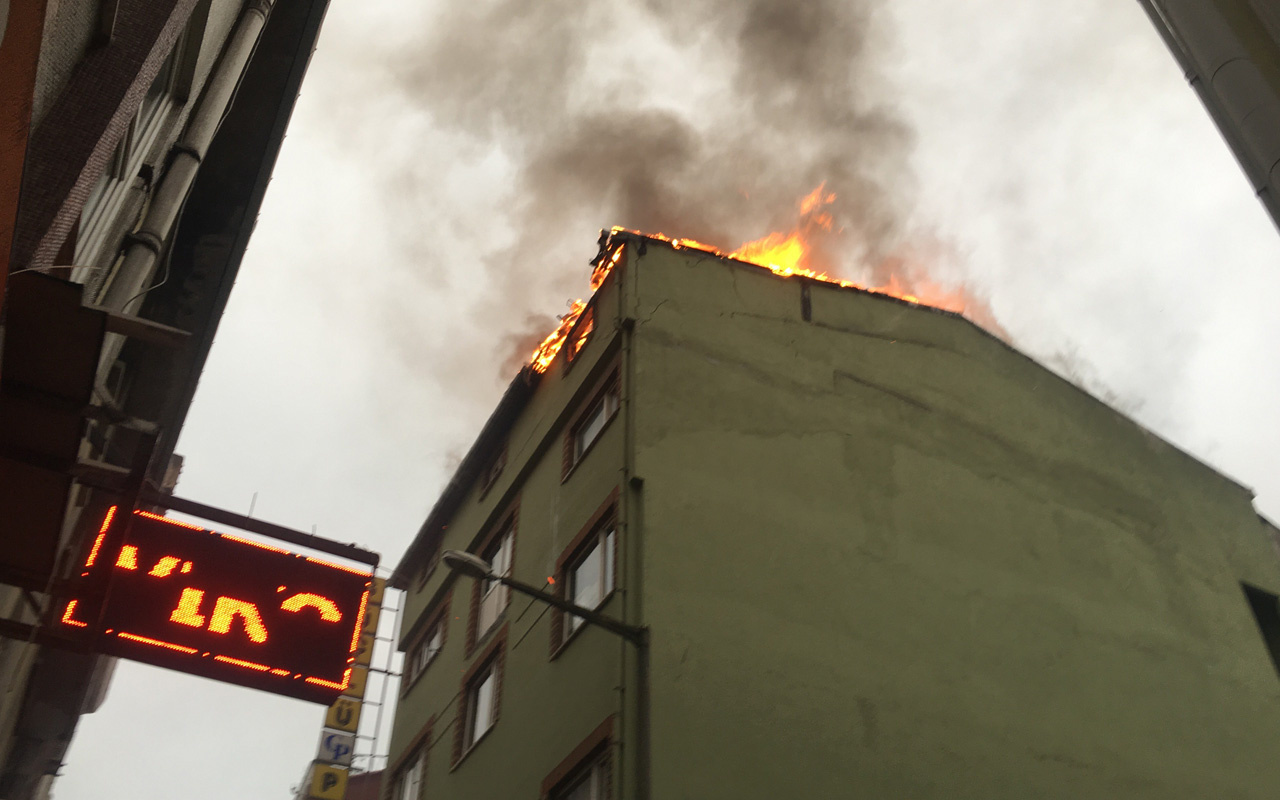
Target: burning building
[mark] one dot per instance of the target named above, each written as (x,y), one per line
(874,551)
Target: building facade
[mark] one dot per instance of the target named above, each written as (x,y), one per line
(878,552)
(138,139)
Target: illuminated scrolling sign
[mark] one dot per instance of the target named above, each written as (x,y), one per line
(220,605)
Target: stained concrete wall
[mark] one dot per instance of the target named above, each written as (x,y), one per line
(887,556)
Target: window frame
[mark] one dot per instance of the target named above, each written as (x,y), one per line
(605,541)
(502,545)
(492,472)
(438,620)
(579,337)
(429,566)
(593,752)
(419,749)
(1265,609)
(108,194)
(595,772)
(507,526)
(491,662)
(417,760)
(608,391)
(476,729)
(604,520)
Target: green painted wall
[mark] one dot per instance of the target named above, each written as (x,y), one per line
(547,707)
(887,556)
(880,553)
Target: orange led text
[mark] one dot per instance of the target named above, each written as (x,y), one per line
(327,608)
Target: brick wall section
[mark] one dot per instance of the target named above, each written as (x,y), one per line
(69,150)
(473,620)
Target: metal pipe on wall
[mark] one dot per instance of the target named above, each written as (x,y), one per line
(1237,80)
(138,269)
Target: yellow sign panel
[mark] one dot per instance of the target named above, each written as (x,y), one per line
(359,676)
(343,715)
(328,782)
(375,591)
(370,620)
(364,654)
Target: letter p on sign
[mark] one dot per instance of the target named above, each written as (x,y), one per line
(328,782)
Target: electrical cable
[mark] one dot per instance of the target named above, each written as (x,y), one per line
(429,746)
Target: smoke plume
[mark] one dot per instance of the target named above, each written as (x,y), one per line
(770,99)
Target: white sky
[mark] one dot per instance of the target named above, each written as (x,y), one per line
(1073,176)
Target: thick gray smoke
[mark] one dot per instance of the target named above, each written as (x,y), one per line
(788,100)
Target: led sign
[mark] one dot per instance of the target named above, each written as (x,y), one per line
(219,605)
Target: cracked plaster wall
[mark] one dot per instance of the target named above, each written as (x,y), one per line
(886,555)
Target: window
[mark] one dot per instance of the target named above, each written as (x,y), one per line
(98,215)
(493,595)
(1266,612)
(158,91)
(591,783)
(598,414)
(586,570)
(482,703)
(428,567)
(409,778)
(581,333)
(480,697)
(590,419)
(590,576)
(491,472)
(427,649)
(113,172)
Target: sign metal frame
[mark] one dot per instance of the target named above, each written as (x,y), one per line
(315,621)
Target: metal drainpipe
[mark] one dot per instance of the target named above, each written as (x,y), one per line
(633,610)
(1218,65)
(143,254)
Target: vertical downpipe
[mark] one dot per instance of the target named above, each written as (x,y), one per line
(633,512)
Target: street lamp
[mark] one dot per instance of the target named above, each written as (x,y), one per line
(473,566)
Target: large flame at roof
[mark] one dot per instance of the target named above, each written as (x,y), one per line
(787,254)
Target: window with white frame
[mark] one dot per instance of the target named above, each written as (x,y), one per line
(409,778)
(590,783)
(482,703)
(590,574)
(493,595)
(427,649)
(593,421)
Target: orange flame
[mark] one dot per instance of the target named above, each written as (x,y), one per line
(546,352)
(785,254)
(550,347)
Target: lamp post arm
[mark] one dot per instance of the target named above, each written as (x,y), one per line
(632,633)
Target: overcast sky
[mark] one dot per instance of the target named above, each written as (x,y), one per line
(1047,155)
